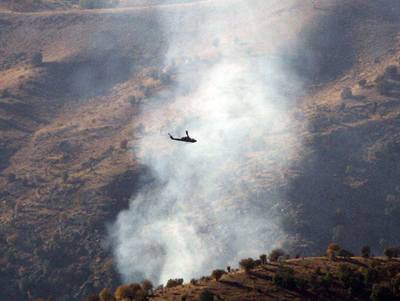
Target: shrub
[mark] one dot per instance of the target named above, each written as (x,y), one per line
(141,295)
(380,293)
(391,71)
(275,255)
(37,59)
(217,274)
(383,86)
(206,295)
(301,284)
(344,253)
(346,93)
(391,252)
(371,275)
(284,278)
(147,285)
(174,282)
(366,251)
(327,280)
(105,295)
(332,250)
(193,281)
(362,83)
(351,280)
(135,287)
(247,264)
(127,291)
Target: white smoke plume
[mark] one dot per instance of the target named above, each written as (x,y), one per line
(215,201)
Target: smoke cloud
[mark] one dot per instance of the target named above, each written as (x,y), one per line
(216,201)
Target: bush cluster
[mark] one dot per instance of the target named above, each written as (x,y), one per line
(133,291)
(387,83)
(174,282)
(276,254)
(346,93)
(284,277)
(217,274)
(392,252)
(247,264)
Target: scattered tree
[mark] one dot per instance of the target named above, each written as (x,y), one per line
(362,83)
(346,93)
(390,253)
(217,274)
(384,86)
(263,258)
(345,253)
(147,285)
(275,255)
(332,250)
(174,282)
(247,264)
(284,278)
(141,295)
(127,291)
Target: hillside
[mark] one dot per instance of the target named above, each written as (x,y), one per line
(70,130)
(296,279)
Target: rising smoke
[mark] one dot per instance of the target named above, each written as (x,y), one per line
(216,201)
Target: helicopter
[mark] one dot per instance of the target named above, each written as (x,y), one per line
(187,138)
